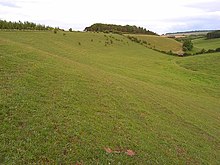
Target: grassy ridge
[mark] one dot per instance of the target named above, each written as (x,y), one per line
(161,43)
(65,98)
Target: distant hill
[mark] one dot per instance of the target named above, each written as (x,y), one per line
(99,27)
(196,32)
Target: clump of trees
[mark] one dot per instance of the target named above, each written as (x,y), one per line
(134,39)
(23,25)
(214,34)
(119,29)
(187,45)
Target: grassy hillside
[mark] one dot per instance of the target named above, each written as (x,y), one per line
(201,64)
(90,98)
(161,43)
(203,43)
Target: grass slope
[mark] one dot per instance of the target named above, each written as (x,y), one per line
(63,99)
(161,43)
(201,64)
(203,43)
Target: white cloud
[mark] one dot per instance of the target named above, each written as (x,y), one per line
(158,15)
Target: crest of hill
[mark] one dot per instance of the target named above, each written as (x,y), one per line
(127,29)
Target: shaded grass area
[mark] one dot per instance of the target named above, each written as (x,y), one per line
(64,102)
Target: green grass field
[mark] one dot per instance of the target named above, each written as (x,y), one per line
(161,43)
(64,99)
(203,43)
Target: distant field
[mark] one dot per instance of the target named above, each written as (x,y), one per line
(161,43)
(95,98)
(207,44)
(189,33)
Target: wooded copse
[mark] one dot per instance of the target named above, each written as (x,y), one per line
(99,27)
(23,25)
(214,34)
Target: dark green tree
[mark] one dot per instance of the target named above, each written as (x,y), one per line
(22,25)
(214,34)
(187,45)
(55,30)
(119,29)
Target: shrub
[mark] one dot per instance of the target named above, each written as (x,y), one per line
(55,31)
(134,39)
(202,51)
(187,45)
(210,51)
(187,54)
(145,42)
(170,52)
(217,50)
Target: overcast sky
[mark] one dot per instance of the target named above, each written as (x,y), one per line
(160,16)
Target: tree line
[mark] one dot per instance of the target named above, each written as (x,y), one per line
(23,25)
(214,34)
(106,28)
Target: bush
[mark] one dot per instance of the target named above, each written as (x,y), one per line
(187,54)
(170,52)
(55,31)
(145,42)
(134,39)
(210,51)
(106,31)
(187,45)
(217,50)
(202,51)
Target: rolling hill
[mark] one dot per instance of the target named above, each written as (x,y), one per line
(207,44)
(95,98)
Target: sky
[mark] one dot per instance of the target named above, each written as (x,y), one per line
(160,16)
